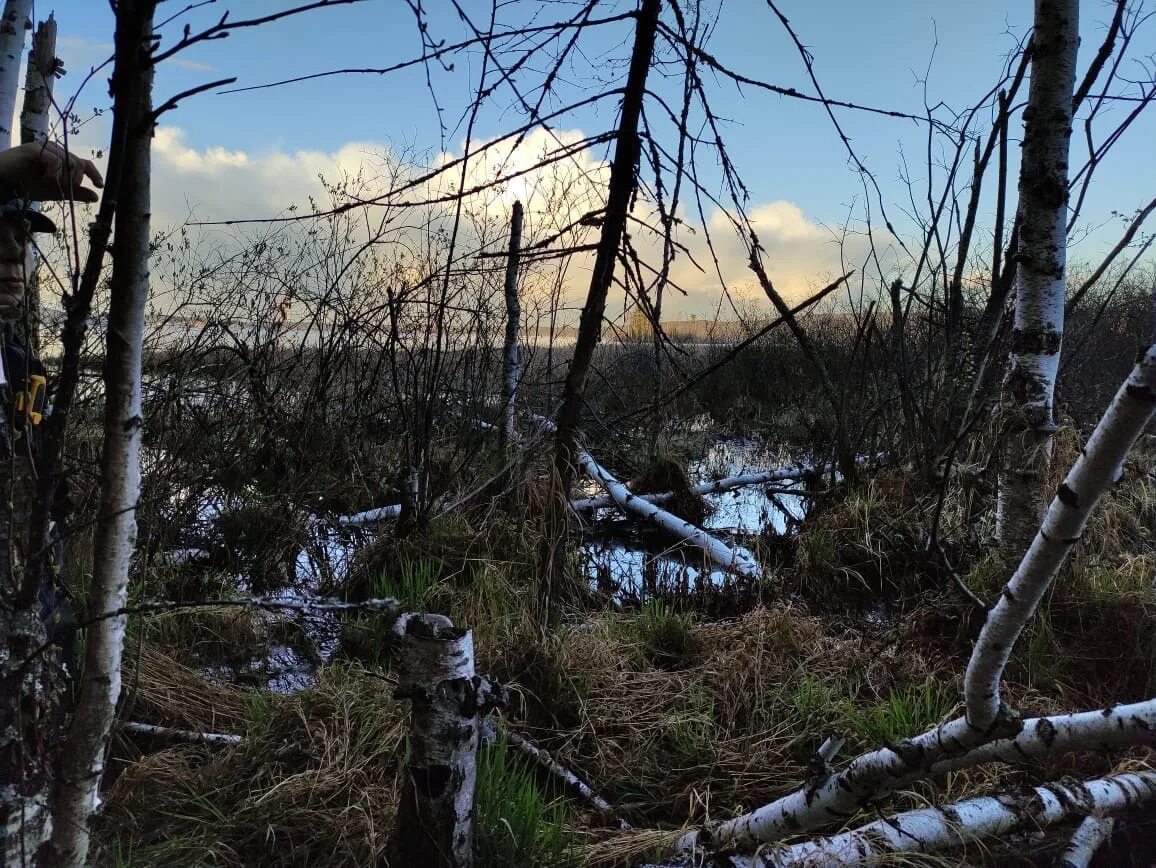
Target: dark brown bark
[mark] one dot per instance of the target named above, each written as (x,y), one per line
(623,182)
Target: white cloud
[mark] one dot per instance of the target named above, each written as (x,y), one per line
(219,183)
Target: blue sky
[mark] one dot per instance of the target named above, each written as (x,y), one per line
(871,53)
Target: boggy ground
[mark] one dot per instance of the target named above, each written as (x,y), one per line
(674,717)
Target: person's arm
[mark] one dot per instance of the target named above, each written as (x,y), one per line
(45,172)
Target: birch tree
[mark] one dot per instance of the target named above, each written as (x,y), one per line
(971,738)
(29,680)
(1039,310)
(83,756)
(35,122)
(14,21)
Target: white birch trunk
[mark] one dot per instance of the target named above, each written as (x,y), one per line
(573,783)
(35,122)
(735,559)
(436,814)
(14,21)
(82,759)
(929,830)
(1102,729)
(1086,840)
(370,516)
(718,486)
(1040,289)
(1098,468)
(216,739)
(36,115)
(512,356)
(877,774)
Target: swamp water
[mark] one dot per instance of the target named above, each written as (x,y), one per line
(618,556)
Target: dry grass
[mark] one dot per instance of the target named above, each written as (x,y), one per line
(676,721)
(313,783)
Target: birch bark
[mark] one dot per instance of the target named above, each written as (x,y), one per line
(35,121)
(14,21)
(1039,313)
(83,753)
(931,829)
(878,773)
(435,819)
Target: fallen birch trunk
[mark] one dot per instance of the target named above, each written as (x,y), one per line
(217,739)
(1086,840)
(436,672)
(735,559)
(1102,729)
(875,775)
(717,486)
(573,783)
(370,516)
(929,830)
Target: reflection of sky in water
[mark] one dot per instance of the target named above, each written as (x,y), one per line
(615,560)
(621,562)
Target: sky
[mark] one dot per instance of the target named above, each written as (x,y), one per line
(252,154)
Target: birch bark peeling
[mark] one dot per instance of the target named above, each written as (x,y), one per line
(435,819)
(35,116)
(82,757)
(1039,312)
(14,21)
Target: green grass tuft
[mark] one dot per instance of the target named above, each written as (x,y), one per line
(515,825)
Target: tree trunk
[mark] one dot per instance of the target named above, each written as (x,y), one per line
(36,115)
(83,753)
(435,819)
(623,182)
(512,357)
(30,686)
(29,670)
(874,775)
(928,830)
(1039,316)
(13,23)
(35,121)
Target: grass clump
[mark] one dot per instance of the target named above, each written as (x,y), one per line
(905,711)
(664,635)
(515,824)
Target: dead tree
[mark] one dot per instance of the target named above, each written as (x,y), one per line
(623,182)
(435,819)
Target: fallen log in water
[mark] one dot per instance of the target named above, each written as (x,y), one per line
(717,486)
(736,559)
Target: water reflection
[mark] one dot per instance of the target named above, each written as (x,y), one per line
(620,560)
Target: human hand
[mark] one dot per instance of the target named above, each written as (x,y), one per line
(46,172)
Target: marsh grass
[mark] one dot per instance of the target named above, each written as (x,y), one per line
(516,823)
(676,719)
